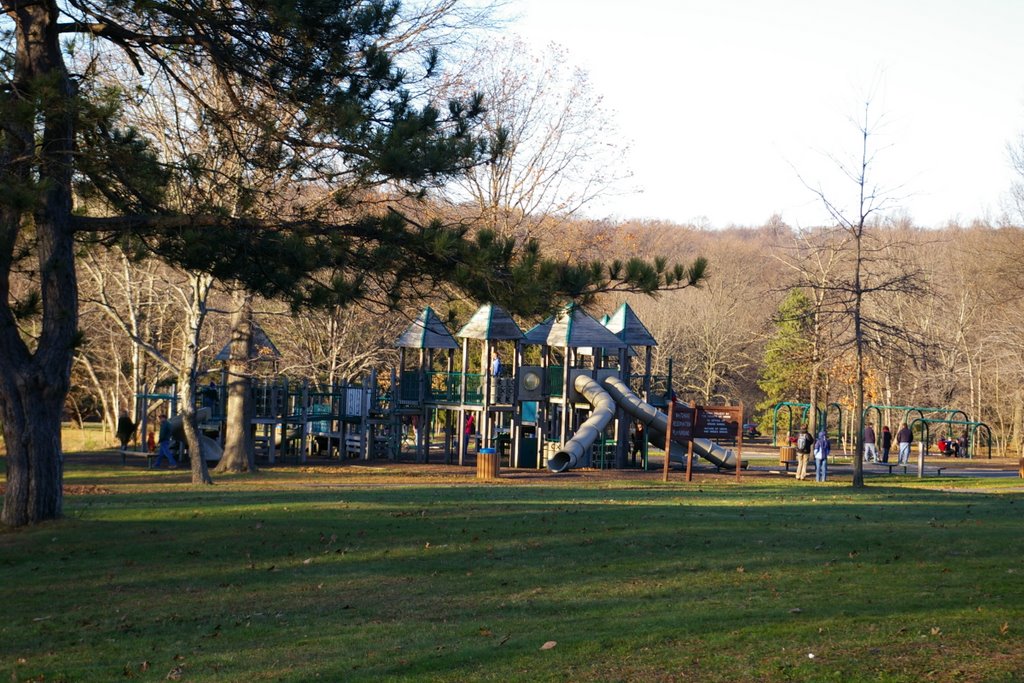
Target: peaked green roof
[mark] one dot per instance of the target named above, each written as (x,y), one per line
(625,324)
(490,322)
(427,332)
(574,328)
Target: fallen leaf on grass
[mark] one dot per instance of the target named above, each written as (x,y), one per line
(486,632)
(175,673)
(548,645)
(1004,628)
(936,631)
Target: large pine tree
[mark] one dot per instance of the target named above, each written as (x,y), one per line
(359,120)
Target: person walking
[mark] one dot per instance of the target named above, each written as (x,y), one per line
(822,448)
(903,440)
(125,429)
(870,449)
(164,447)
(886,443)
(804,442)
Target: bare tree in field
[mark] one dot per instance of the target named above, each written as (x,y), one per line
(863,275)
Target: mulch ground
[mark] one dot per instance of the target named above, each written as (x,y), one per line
(406,471)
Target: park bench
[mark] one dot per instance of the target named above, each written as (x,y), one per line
(146,454)
(906,468)
(354,445)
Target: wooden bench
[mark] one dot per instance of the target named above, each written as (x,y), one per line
(149,456)
(354,445)
(906,468)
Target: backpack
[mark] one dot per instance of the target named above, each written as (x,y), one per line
(803,443)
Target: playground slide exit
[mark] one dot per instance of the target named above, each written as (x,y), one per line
(572,451)
(211,449)
(657,422)
(603,399)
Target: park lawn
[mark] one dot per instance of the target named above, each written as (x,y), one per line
(370,574)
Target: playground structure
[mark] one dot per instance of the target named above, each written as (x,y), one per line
(553,410)
(562,395)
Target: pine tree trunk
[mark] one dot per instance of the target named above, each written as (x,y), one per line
(37,156)
(35,462)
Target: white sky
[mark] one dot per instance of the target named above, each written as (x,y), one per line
(725,102)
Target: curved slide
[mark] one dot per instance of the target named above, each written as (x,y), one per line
(212,451)
(572,451)
(657,422)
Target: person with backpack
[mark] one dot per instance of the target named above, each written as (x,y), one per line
(822,447)
(803,452)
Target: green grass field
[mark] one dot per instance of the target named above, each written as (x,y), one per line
(407,573)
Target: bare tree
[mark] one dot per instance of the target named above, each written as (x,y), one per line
(863,276)
(117,294)
(554,146)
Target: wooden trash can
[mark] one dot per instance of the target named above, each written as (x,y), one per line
(787,455)
(487,464)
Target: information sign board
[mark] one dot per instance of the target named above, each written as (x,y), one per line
(682,422)
(718,422)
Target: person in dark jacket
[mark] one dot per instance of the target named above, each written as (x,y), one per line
(962,444)
(125,429)
(870,449)
(903,440)
(886,443)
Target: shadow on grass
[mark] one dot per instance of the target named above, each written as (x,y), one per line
(467,581)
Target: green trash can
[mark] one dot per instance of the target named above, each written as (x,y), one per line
(528,451)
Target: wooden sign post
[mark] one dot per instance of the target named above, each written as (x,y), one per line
(668,438)
(689,442)
(680,430)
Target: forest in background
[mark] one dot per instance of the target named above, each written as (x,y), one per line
(952,341)
(170,177)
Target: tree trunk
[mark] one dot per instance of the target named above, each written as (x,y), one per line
(239,454)
(35,462)
(36,157)
(197,459)
(195,315)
